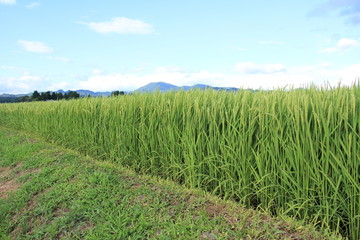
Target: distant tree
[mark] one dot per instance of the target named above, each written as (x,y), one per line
(24,99)
(47,96)
(35,96)
(4,99)
(71,95)
(42,96)
(54,96)
(115,93)
(9,99)
(60,96)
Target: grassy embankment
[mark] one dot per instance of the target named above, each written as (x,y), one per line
(48,192)
(288,152)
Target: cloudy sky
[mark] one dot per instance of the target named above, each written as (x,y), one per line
(122,45)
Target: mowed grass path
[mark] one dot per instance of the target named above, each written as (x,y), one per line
(48,192)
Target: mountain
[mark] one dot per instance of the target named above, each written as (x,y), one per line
(85,93)
(9,98)
(6,95)
(163,87)
(228,89)
(196,86)
(154,86)
(200,86)
(157,86)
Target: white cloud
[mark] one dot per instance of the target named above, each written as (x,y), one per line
(346,43)
(121,25)
(60,59)
(96,71)
(113,81)
(8,1)
(37,47)
(253,68)
(24,84)
(295,76)
(299,76)
(58,86)
(138,69)
(342,45)
(33,5)
(29,78)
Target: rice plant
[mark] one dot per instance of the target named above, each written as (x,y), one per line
(294,152)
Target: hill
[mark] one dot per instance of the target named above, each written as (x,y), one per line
(157,86)
(163,87)
(85,93)
(151,87)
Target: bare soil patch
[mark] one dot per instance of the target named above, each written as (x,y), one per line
(9,186)
(9,179)
(5,172)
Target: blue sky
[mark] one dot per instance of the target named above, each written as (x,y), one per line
(122,45)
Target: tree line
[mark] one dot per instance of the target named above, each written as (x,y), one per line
(117,93)
(45,96)
(50,96)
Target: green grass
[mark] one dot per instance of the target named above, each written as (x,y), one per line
(61,194)
(288,152)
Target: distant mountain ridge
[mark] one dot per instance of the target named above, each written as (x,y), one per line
(83,93)
(157,86)
(151,87)
(163,87)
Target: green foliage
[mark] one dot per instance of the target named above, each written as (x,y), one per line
(45,96)
(290,152)
(71,95)
(35,96)
(64,195)
(117,93)
(8,99)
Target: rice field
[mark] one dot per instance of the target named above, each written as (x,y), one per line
(294,152)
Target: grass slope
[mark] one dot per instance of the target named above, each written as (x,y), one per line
(48,192)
